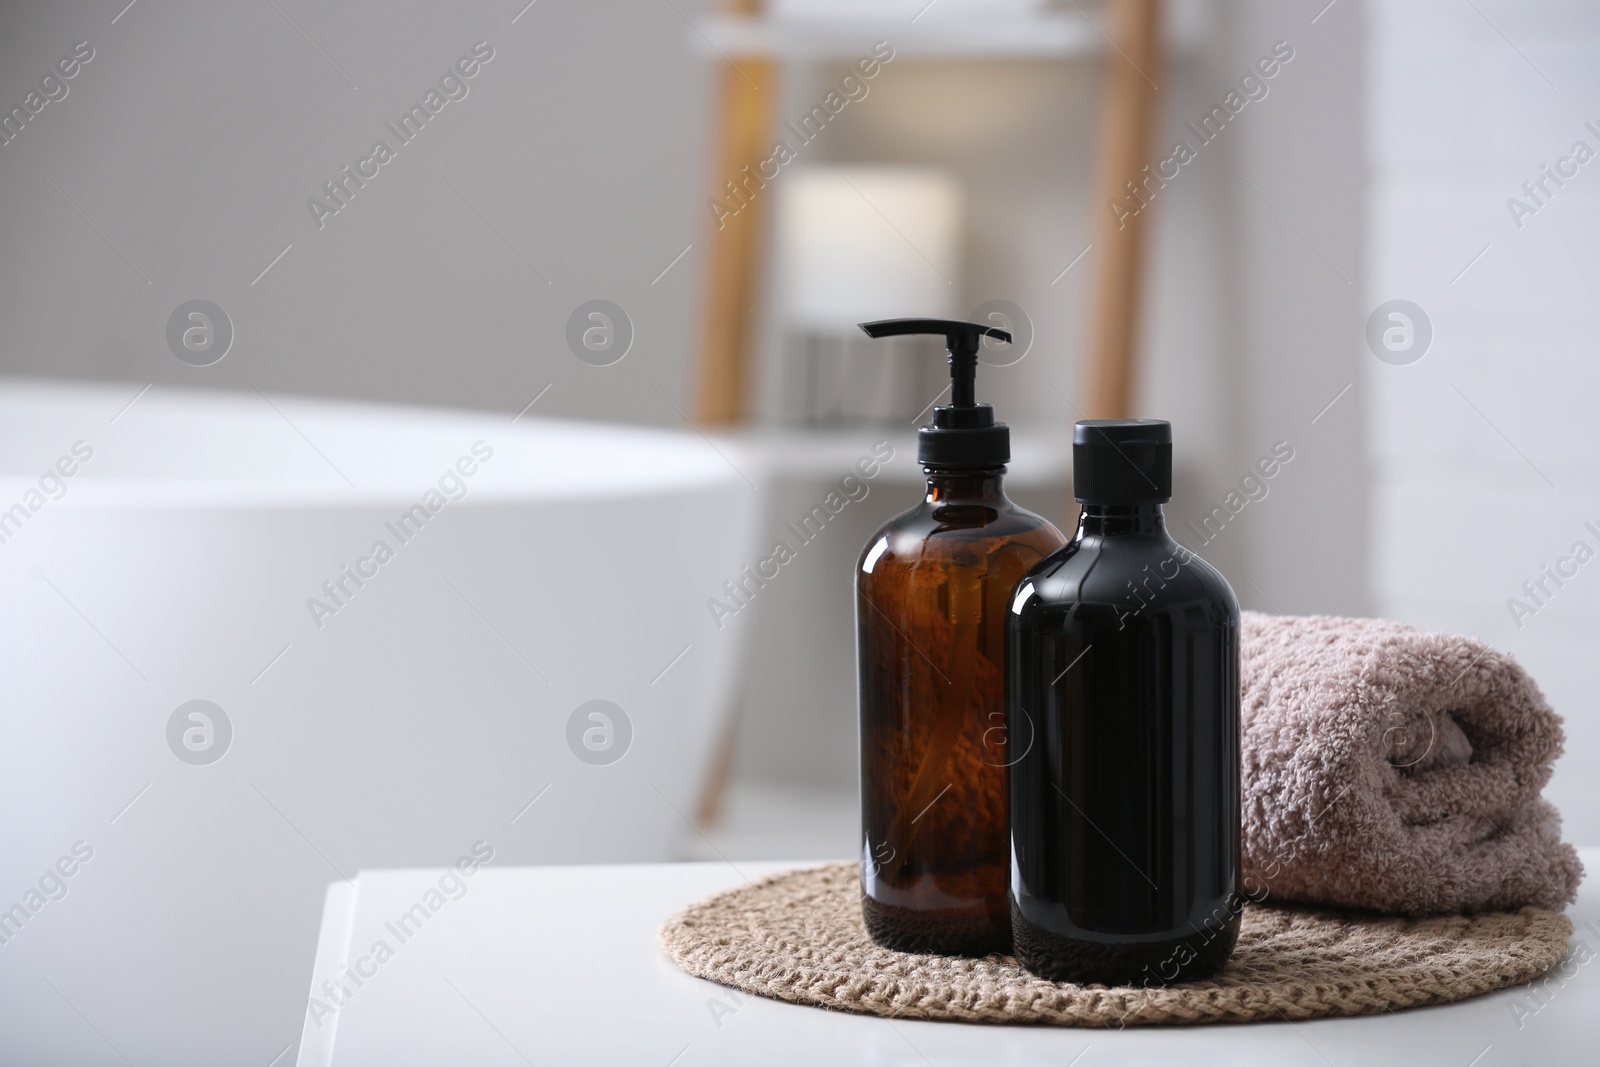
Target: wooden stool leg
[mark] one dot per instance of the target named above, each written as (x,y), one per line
(1127,124)
(733,260)
(733,248)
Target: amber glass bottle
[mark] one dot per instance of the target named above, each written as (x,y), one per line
(932,592)
(1123,665)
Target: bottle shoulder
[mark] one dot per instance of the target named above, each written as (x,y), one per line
(943,531)
(1125,574)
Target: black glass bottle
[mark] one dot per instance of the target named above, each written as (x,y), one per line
(1122,703)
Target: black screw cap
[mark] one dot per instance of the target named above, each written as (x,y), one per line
(1122,461)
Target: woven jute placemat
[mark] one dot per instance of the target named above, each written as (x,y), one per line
(798,936)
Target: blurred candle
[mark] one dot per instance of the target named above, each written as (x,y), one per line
(859,243)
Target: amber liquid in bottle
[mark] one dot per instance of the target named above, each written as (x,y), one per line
(1123,666)
(933,589)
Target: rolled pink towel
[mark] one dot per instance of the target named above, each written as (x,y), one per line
(1394,769)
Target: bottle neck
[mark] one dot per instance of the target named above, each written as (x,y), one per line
(965,487)
(1108,520)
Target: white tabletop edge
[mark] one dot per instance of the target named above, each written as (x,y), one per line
(333,948)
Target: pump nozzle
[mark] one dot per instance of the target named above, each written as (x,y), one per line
(960,339)
(963,435)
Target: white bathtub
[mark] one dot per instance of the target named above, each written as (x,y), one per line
(419,712)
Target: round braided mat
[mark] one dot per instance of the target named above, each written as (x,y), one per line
(798,936)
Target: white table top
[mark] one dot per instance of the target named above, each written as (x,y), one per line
(560,965)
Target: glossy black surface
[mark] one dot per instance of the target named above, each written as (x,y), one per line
(1122,703)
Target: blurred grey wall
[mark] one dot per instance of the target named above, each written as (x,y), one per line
(1292,254)
(184,153)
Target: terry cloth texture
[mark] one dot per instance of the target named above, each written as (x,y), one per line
(798,936)
(1397,770)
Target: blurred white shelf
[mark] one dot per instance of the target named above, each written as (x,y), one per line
(1037,457)
(771,822)
(1006,35)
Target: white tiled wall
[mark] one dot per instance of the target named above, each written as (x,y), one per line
(1486,452)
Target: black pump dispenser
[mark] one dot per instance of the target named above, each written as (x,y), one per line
(963,435)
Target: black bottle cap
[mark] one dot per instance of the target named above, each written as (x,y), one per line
(1122,461)
(963,434)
